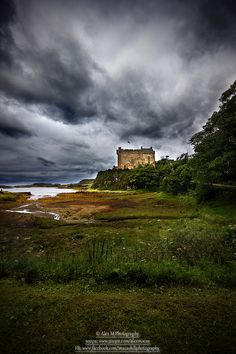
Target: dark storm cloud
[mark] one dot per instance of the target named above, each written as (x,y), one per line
(45,77)
(170,122)
(74,147)
(13,132)
(45,162)
(81,77)
(7,15)
(11,127)
(215,22)
(59,77)
(212,22)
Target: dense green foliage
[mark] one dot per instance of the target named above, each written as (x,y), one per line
(214,160)
(177,175)
(168,175)
(113,179)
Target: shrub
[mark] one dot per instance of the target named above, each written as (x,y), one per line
(205,192)
(113,179)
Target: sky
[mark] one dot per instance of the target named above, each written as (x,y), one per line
(79,78)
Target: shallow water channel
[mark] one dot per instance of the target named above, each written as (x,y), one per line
(37,193)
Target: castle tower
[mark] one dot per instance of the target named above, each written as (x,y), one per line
(131,158)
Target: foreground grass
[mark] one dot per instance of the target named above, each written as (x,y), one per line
(146,252)
(147,262)
(53,319)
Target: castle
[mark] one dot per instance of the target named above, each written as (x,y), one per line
(131,158)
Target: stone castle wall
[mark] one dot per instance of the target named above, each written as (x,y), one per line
(131,158)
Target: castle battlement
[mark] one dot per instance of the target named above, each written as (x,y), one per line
(131,158)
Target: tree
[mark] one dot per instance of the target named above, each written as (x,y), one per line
(178,177)
(145,177)
(215,146)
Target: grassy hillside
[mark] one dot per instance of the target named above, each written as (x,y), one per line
(113,179)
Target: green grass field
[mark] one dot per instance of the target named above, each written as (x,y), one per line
(148,262)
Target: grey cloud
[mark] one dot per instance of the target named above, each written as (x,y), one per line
(50,81)
(209,22)
(7,16)
(11,127)
(215,22)
(14,132)
(45,162)
(60,78)
(75,147)
(82,77)
(7,13)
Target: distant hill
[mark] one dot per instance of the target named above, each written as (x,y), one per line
(84,184)
(41,185)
